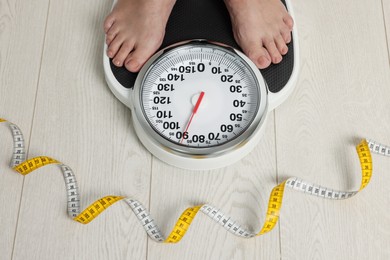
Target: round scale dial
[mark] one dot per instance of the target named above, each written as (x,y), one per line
(199,97)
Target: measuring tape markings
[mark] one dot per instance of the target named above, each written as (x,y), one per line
(24,167)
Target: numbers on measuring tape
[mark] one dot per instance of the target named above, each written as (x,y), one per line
(24,167)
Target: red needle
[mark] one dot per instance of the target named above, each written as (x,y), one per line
(193,113)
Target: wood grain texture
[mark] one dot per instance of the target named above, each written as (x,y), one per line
(342,96)
(240,190)
(386,16)
(21,43)
(79,122)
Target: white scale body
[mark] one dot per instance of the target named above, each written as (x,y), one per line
(199,105)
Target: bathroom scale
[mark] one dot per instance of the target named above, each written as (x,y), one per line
(199,103)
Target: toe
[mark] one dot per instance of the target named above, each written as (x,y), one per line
(264,60)
(135,61)
(111,34)
(138,58)
(109,38)
(108,22)
(132,64)
(122,54)
(140,55)
(273,51)
(258,54)
(286,36)
(288,20)
(281,44)
(114,46)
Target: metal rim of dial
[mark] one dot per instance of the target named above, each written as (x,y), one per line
(213,151)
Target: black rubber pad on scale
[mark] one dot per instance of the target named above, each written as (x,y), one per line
(209,19)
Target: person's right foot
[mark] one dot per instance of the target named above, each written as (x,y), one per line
(262,28)
(135,30)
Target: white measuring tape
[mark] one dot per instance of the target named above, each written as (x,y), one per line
(24,167)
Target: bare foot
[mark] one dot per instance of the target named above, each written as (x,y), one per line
(135,30)
(262,28)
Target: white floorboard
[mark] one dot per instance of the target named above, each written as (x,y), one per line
(386,15)
(241,191)
(79,122)
(20,61)
(342,96)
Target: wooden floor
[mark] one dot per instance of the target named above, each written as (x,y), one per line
(52,85)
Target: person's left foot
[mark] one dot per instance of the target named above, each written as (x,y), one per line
(262,28)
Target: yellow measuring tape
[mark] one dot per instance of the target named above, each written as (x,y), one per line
(24,167)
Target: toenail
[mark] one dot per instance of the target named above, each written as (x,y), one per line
(109,54)
(277,59)
(117,63)
(263,61)
(133,64)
